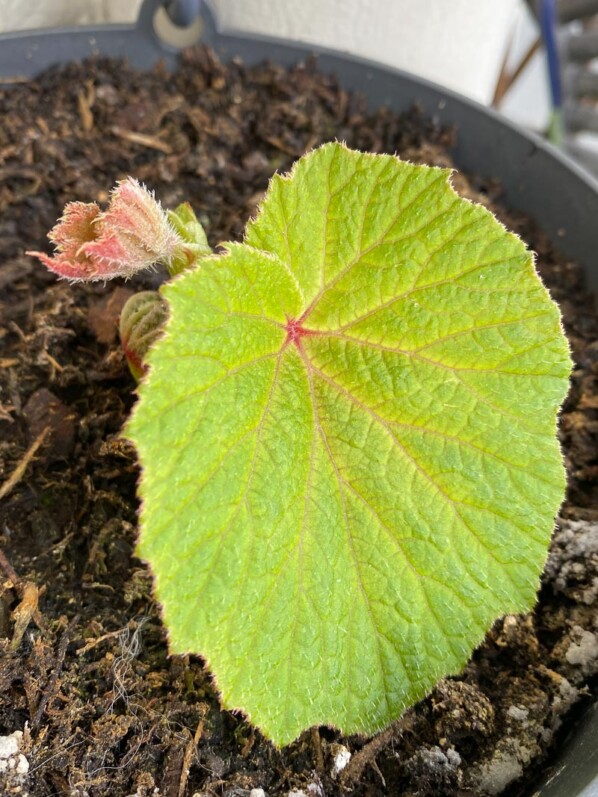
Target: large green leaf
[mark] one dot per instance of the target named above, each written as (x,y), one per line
(348,444)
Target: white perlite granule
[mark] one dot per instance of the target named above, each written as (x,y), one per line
(583,652)
(341,757)
(10,745)
(14,766)
(518,713)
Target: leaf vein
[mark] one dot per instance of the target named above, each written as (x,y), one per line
(418,288)
(378,242)
(423,472)
(351,543)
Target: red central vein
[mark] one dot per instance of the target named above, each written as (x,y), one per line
(295,331)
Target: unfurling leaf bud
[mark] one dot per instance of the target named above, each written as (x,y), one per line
(141,323)
(195,245)
(131,235)
(75,229)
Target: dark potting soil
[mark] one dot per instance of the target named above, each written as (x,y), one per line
(84,669)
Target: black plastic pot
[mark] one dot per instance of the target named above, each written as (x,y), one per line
(537,179)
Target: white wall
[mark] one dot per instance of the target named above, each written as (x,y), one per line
(458,43)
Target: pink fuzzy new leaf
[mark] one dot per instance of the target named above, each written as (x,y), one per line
(75,228)
(136,220)
(132,234)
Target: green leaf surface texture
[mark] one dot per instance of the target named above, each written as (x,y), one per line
(347,439)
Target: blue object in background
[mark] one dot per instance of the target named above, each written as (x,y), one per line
(548,24)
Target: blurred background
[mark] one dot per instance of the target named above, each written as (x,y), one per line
(535,61)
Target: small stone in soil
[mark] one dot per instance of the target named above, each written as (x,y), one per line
(45,409)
